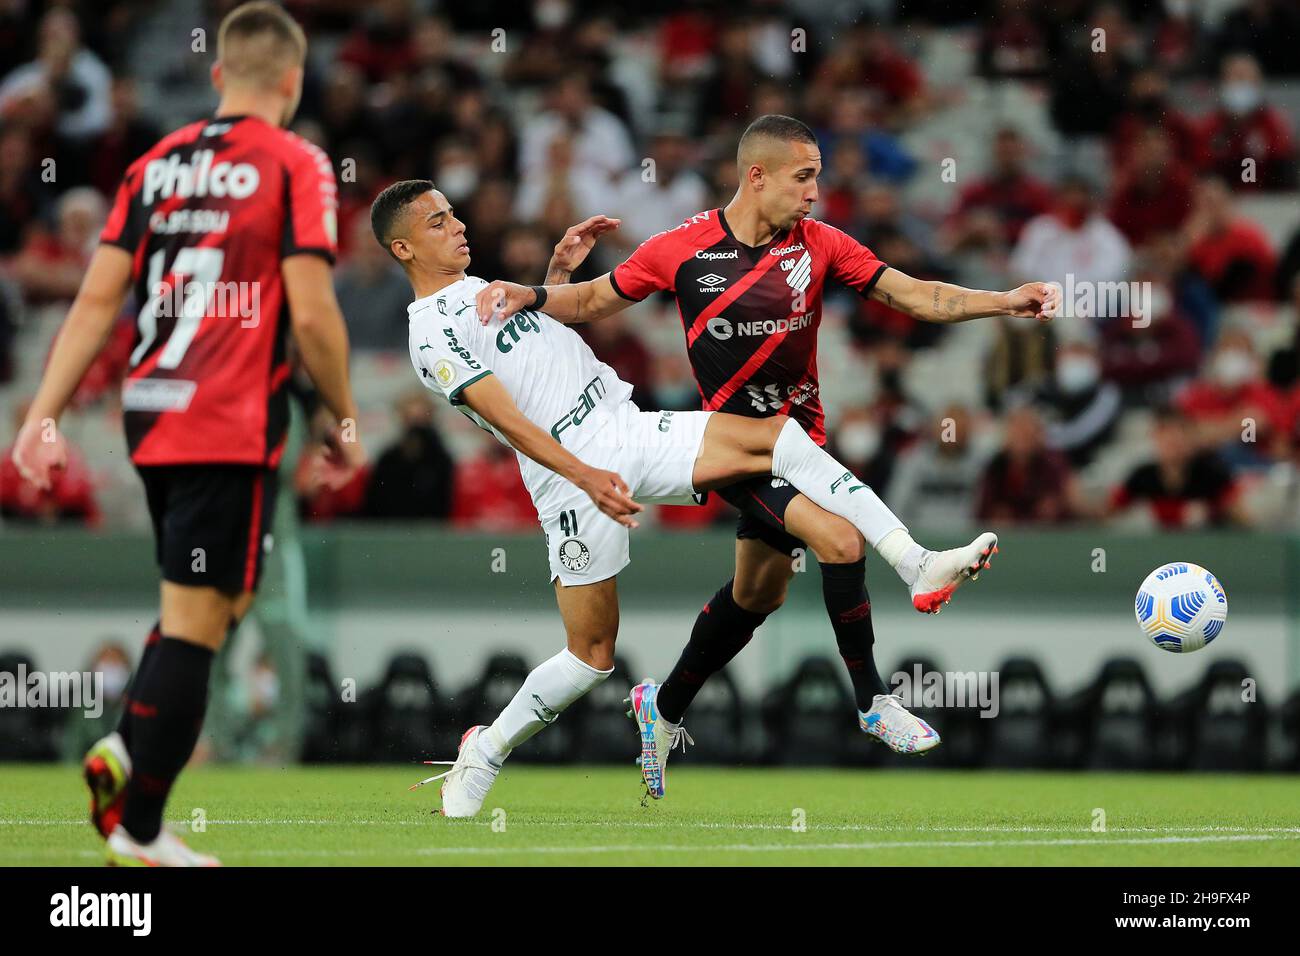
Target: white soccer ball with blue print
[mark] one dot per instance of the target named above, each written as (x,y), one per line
(1181,607)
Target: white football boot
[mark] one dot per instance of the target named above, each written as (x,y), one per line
(942,572)
(657,738)
(465,786)
(896,727)
(167,849)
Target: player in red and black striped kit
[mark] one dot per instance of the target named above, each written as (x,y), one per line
(225,230)
(748,280)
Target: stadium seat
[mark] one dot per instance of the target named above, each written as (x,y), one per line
(1110,724)
(28,733)
(408,718)
(1213,727)
(809,718)
(322,737)
(1021,735)
(950,722)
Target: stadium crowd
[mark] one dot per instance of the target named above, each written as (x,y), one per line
(984,141)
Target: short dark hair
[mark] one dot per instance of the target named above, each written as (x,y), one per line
(386,210)
(774,126)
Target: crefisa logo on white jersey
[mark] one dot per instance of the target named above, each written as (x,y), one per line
(164,178)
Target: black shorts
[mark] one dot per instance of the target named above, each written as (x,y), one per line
(211,523)
(762,502)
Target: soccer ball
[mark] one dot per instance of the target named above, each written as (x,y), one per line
(1181,607)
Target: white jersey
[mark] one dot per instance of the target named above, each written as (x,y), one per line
(551,373)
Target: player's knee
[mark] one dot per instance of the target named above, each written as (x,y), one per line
(843,544)
(595,651)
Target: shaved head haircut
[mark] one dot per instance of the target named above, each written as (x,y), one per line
(388,211)
(257,42)
(767,134)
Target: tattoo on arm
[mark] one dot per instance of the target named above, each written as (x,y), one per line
(935,305)
(957,305)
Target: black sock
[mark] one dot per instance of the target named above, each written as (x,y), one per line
(167,706)
(146,658)
(721,631)
(844,586)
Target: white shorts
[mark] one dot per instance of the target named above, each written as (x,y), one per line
(655,454)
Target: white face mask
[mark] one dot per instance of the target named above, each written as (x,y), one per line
(115,680)
(1077,373)
(1240,96)
(551,13)
(1232,368)
(457,183)
(858,442)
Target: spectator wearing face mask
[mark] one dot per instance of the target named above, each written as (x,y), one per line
(1234,408)
(936,480)
(1074,239)
(1246,127)
(111,668)
(1082,408)
(1026,482)
(1182,488)
(413,476)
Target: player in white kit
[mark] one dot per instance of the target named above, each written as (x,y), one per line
(588,455)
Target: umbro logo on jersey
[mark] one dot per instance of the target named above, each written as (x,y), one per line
(711,282)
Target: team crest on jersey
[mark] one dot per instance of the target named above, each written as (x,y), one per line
(444,372)
(800,273)
(574,555)
(442,306)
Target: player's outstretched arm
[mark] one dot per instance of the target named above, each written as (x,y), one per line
(569,303)
(491,402)
(943,302)
(322,341)
(39,447)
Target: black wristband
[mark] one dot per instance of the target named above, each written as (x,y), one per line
(540,292)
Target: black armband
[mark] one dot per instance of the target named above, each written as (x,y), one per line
(540,292)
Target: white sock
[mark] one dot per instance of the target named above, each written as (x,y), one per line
(552,686)
(903,554)
(828,484)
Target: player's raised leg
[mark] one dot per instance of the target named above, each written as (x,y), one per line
(590,613)
(732,442)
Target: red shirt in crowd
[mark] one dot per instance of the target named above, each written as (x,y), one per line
(71,494)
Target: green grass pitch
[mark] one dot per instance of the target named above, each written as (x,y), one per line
(593,815)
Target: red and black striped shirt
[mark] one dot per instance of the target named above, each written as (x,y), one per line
(209,214)
(751,313)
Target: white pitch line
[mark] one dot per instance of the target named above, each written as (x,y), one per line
(721,848)
(184,822)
